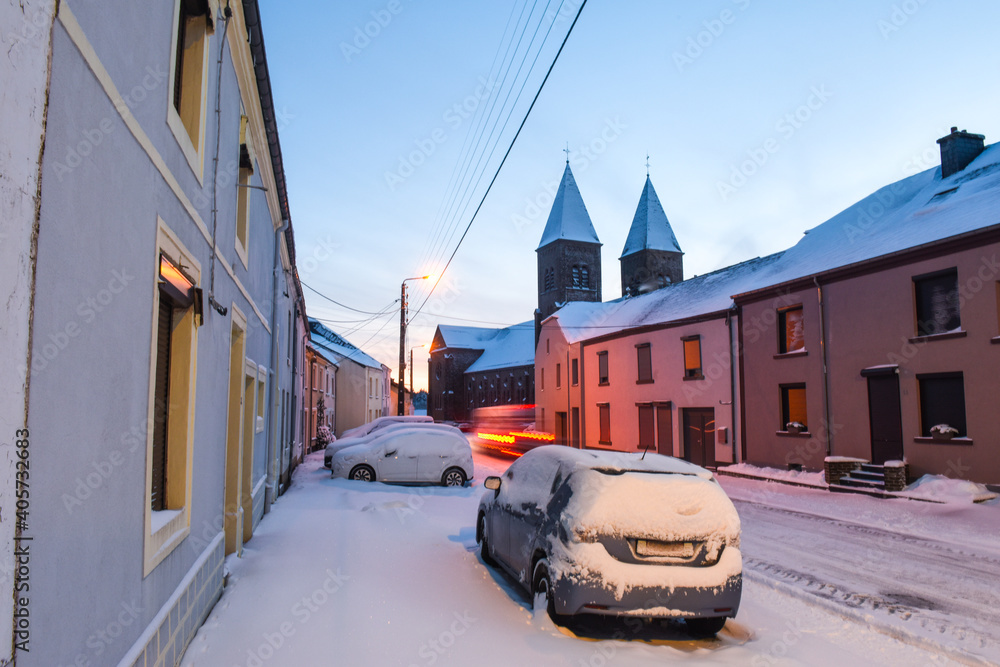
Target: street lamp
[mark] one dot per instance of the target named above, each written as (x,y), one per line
(411,366)
(402,343)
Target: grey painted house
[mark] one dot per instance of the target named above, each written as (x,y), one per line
(156,320)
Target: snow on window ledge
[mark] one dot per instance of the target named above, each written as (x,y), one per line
(158,520)
(953,441)
(789,434)
(794,353)
(940,336)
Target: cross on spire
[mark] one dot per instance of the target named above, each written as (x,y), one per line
(566,151)
(647,163)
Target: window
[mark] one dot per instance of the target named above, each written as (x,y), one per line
(646,429)
(172,377)
(186,117)
(550,280)
(790,332)
(581,277)
(576,276)
(541,380)
(942,401)
(546,346)
(936,297)
(645,361)
(602,367)
(604,414)
(793,406)
(692,358)
(261,383)
(558,376)
(574,372)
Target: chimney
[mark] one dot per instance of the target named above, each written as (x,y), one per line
(958,149)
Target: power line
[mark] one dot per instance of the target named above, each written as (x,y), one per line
(364,312)
(504,160)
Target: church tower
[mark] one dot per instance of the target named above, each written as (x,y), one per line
(652,258)
(569,254)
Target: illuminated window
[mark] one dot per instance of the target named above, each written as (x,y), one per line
(645,361)
(604,416)
(936,297)
(602,367)
(793,406)
(790,330)
(169,444)
(692,358)
(190,78)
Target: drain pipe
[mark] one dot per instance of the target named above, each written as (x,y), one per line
(826,376)
(270,494)
(732,379)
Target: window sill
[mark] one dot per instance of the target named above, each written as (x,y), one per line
(954,441)
(690,378)
(603,384)
(604,442)
(940,336)
(995,340)
(650,381)
(794,353)
(789,434)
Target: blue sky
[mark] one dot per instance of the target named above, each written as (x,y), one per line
(761,120)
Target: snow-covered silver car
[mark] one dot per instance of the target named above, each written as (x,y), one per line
(612,533)
(375,429)
(432,455)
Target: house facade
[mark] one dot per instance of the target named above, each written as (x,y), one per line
(903,318)
(321,393)
(155,319)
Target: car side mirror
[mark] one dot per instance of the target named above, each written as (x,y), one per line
(492,483)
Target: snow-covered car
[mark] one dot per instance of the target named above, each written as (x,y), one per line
(614,533)
(439,455)
(381,422)
(376,428)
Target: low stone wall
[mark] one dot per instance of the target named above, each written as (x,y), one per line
(836,467)
(895,477)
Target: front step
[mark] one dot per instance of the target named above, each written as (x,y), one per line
(864,475)
(855,482)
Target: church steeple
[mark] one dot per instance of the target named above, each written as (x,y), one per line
(569,252)
(651,258)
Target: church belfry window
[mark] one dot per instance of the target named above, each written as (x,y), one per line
(581,276)
(550,280)
(576,276)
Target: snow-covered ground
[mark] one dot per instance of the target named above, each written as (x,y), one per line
(345,572)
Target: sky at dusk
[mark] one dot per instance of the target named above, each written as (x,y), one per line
(761,120)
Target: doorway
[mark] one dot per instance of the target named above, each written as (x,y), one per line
(699,436)
(885,417)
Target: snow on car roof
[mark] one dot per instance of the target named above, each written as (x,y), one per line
(569,457)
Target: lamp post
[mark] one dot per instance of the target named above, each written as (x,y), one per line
(400,383)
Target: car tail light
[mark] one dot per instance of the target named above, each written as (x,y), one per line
(596,607)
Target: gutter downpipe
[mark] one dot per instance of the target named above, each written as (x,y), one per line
(732,379)
(270,493)
(826,376)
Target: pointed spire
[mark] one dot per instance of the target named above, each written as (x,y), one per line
(650,228)
(568,219)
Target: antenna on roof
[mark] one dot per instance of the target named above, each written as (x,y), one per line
(566,151)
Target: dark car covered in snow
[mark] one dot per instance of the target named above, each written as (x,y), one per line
(618,534)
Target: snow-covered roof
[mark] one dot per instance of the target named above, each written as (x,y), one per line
(707,293)
(568,218)
(325,340)
(650,228)
(912,212)
(468,338)
(513,346)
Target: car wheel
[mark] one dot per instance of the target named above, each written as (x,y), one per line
(362,474)
(541,584)
(705,627)
(485,543)
(453,477)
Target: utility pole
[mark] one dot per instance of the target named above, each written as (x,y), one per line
(401,382)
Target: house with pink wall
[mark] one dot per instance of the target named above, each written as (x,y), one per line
(886,324)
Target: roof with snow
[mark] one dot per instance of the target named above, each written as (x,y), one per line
(700,295)
(568,219)
(914,211)
(650,228)
(329,343)
(502,348)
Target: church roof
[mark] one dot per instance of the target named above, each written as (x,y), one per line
(650,228)
(568,219)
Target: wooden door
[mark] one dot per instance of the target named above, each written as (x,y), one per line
(699,436)
(885,419)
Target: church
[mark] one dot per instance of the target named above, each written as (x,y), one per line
(477,367)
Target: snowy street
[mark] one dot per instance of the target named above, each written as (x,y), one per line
(372,574)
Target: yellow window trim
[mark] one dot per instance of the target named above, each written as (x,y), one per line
(158,543)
